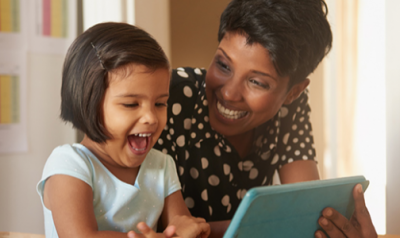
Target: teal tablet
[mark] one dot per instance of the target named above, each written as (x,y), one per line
(292,210)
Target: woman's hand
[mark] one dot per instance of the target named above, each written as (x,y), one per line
(337,226)
(147,232)
(190,227)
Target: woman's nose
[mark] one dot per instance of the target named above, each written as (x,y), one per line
(231,90)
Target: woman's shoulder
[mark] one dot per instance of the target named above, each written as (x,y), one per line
(187,76)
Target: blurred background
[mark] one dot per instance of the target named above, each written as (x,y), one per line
(353,93)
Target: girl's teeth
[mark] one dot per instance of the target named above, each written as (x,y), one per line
(143,135)
(230,114)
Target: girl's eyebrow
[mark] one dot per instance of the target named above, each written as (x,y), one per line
(128,95)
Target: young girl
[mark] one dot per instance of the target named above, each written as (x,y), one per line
(115,86)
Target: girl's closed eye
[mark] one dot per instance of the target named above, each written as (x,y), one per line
(161,104)
(130,105)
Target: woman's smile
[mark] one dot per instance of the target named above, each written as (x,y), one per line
(230,113)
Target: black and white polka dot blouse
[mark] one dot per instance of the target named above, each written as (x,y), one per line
(214,178)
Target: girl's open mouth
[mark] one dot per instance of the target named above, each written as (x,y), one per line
(139,142)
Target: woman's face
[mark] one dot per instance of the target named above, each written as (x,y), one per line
(242,86)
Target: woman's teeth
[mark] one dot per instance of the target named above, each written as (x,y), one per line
(230,114)
(143,135)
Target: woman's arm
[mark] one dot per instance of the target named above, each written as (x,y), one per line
(299,171)
(71,203)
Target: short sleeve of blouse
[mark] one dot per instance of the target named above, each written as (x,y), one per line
(295,140)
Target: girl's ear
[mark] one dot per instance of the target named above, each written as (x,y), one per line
(296,90)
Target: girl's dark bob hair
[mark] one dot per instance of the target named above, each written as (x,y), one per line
(296,33)
(91,57)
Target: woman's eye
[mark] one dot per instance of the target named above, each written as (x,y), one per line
(258,83)
(222,65)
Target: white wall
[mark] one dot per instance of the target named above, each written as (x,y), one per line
(393,116)
(20,207)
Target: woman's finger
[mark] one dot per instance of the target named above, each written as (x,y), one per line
(361,216)
(334,224)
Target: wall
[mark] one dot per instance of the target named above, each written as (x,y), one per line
(194,28)
(20,206)
(392,116)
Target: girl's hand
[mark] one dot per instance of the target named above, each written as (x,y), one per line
(360,224)
(147,232)
(190,227)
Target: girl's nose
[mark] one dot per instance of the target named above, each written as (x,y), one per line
(149,116)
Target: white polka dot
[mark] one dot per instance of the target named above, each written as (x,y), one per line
(160,141)
(302,145)
(193,134)
(228,149)
(275,159)
(173,148)
(264,181)
(171,120)
(228,209)
(310,152)
(238,194)
(266,155)
(208,135)
(285,138)
(307,139)
(200,126)
(165,151)
(169,137)
(227,169)
(183,74)
(217,151)
(301,119)
(284,112)
(181,170)
(205,102)
(187,91)
(288,148)
(176,109)
(213,180)
(194,173)
(290,160)
(197,145)
(225,200)
(204,163)
(240,165)
(198,71)
(298,109)
(294,127)
(180,69)
(243,193)
(295,140)
(206,118)
(187,123)
(283,157)
(294,117)
(186,154)
(193,120)
(180,141)
(301,132)
(204,195)
(230,177)
(189,202)
(171,131)
(297,152)
(306,126)
(305,157)
(166,127)
(210,210)
(200,111)
(247,165)
(253,173)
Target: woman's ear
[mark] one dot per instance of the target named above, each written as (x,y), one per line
(296,90)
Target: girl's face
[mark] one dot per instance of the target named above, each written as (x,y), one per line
(242,86)
(134,113)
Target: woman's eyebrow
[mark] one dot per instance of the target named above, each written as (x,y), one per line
(130,95)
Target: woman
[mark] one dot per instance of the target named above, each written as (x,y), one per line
(246,118)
